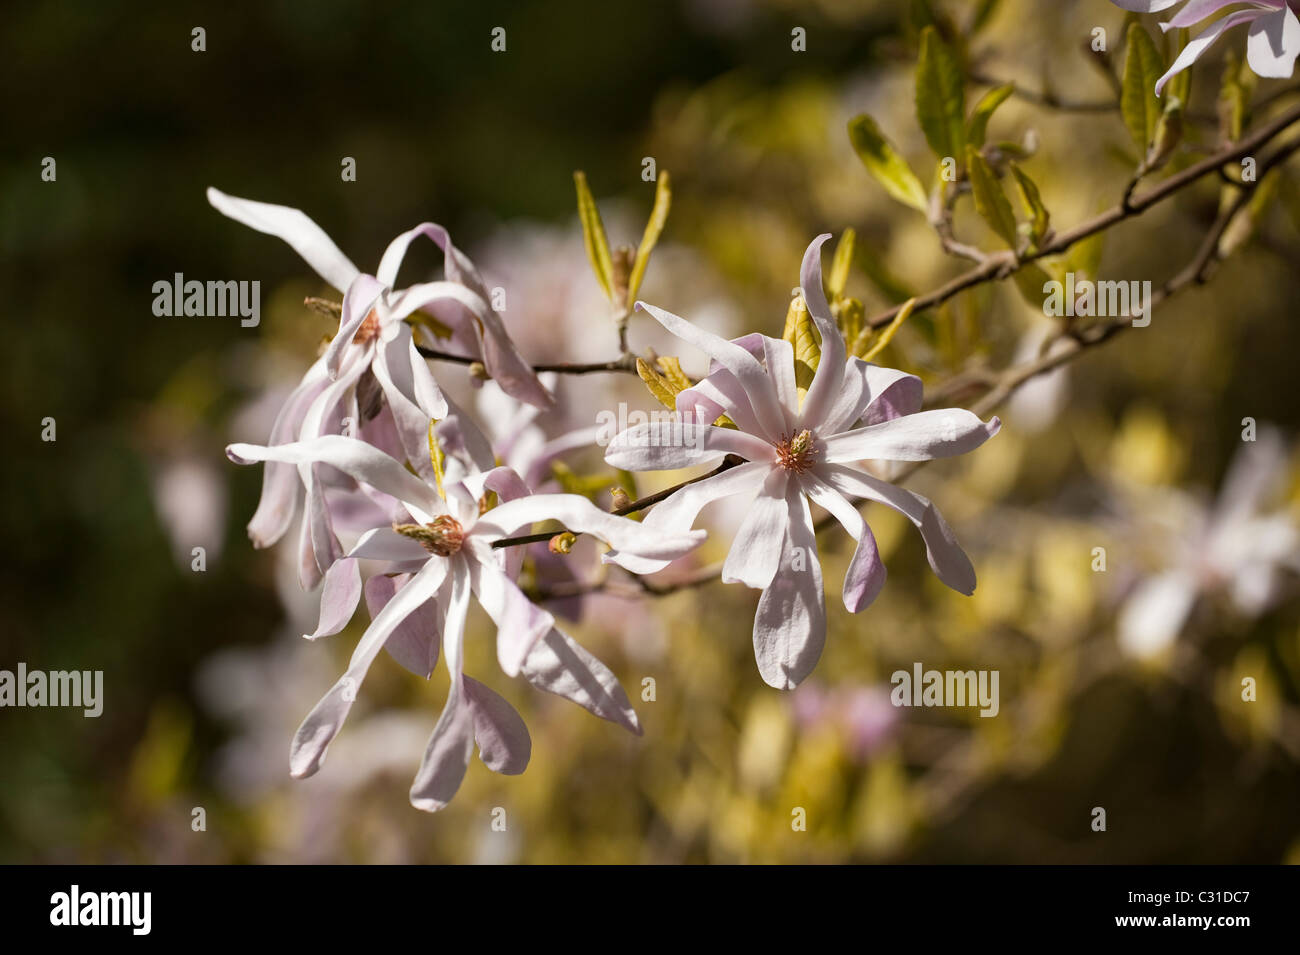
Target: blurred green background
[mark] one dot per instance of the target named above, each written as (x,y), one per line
(205,675)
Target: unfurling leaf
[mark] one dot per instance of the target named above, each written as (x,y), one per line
(801,333)
(990,201)
(658,383)
(654,227)
(884,162)
(1234,99)
(1138,101)
(593,235)
(887,333)
(978,126)
(840,264)
(1033,202)
(1169,132)
(940,97)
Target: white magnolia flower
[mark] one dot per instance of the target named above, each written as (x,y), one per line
(373,355)
(433,561)
(1234,547)
(1271,46)
(794,452)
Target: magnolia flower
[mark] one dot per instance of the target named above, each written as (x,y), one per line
(432,561)
(1271,47)
(795,451)
(1233,547)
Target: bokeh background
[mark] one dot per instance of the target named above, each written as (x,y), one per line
(206,675)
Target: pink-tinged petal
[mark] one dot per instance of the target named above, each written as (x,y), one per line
(740,363)
(393,371)
(421,296)
(890,394)
(303,236)
(1194,12)
(1155,613)
(520,622)
(826,382)
(326,718)
(755,554)
(355,459)
(447,756)
(506,483)
(427,393)
(538,464)
(778,355)
(414,642)
(280,482)
(718,394)
(359,299)
(1274,43)
(1145,6)
(460,437)
(946,558)
(339,598)
(1199,44)
(667,445)
(630,538)
(458,267)
(504,745)
(384,543)
(865,576)
(678,511)
(309,572)
(941,433)
(557,664)
(319,522)
(790,624)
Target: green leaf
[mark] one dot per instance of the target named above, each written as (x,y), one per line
(883,162)
(593,235)
(940,97)
(1233,100)
(802,334)
(654,227)
(990,201)
(978,126)
(1084,257)
(1033,203)
(984,11)
(843,259)
(1138,100)
(1029,280)
(661,385)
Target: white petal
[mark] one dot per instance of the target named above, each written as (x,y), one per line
(874,393)
(1274,43)
(359,299)
(559,665)
(826,382)
(1200,43)
(778,355)
(503,741)
(414,643)
(941,433)
(865,576)
(384,543)
(1153,616)
(520,622)
(304,236)
(668,445)
(790,624)
(755,554)
(339,598)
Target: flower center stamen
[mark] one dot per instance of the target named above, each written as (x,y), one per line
(442,536)
(797,453)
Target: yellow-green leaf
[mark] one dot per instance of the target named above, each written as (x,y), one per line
(884,162)
(978,126)
(887,333)
(654,227)
(801,333)
(1138,101)
(660,385)
(593,235)
(990,201)
(843,259)
(940,97)
(1033,203)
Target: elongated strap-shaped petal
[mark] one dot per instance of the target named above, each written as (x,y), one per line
(396,251)
(790,624)
(1145,6)
(865,576)
(280,482)
(1274,43)
(461,437)
(304,236)
(339,597)
(755,554)
(503,741)
(393,371)
(923,436)
(559,665)
(326,718)
(735,359)
(520,622)
(872,394)
(1194,12)
(1202,42)
(354,458)
(447,756)
(718,394)
(428,396)
(538,464)
(582,517)
(667,445)
(825,385)
(778,354)
(414,642)
(384,543)
(946,558)
(362,295)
